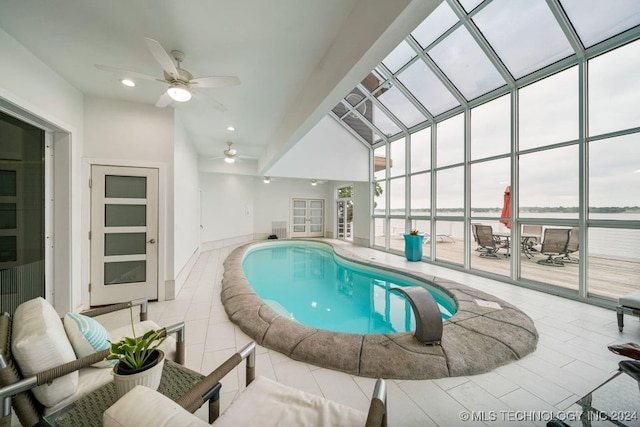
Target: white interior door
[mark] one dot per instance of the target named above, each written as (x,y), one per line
(124,234)
(307,218)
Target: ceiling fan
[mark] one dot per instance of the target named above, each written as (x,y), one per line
(181,82)
(230,155)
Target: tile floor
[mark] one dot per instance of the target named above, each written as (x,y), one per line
(571,358)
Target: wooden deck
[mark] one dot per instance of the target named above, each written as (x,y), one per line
(606,277)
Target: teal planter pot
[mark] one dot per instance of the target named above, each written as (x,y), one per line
(413,246)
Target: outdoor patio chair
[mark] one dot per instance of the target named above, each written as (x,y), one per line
(40,371)
(263,402)
(533,230)
(554,242)
(489,243)
(572,246)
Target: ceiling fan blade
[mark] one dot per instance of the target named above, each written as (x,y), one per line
(163,58)
(164,100)
(220,81)
(209,100)
(126,73)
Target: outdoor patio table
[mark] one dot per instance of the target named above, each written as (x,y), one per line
(525,238)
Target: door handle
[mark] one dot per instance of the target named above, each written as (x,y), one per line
(152,241)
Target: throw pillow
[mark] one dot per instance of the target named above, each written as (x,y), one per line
(87,336)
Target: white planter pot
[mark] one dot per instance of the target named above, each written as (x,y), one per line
(149,378)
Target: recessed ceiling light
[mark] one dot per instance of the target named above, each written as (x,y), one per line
(128,82)
(230,128)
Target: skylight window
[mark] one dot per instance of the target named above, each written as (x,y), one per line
(399,56)
(427,88)
(435,25)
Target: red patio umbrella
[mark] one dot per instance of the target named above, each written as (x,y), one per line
(506,207)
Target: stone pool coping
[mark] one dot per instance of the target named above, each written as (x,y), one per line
(485,332)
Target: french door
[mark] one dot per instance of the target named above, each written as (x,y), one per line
(124,233)
(307,218)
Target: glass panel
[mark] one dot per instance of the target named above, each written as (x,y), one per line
(125,215)
(8,250)
(398,229)
(540,40)
(439,21)
(450,192)
(315,228)
(126,187)
(379,162)
(597,20)
(379,199)
(316,204)
(354,121)
(7,183)
(383,122)
(488,183)
(613,252)
(466,65)
(421,194)
(427,88)
(449,241)
(613,90)
(397,158)
(543,268)
(491,128)
(298,228)
(614,178)
(299,219)
(300,212)
(22,219)
(379,234)
(549,183)
(8,218)
(125,243)
(397,196)
(490,256)
(401,107)
(421,150)
(402,54)
(450,141)
(299,204)
(125,272)
(549,110)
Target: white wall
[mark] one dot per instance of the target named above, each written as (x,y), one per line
(328,151)
(30,89)
(186,218)
(122,133)
(227,209)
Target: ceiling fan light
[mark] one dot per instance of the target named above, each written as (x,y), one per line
(314,182)
(128,82)
(266,180)
(178,92)
(229,159)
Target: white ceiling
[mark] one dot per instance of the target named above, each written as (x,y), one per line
(295,58)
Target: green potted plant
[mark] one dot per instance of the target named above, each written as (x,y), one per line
(139,360)
(413,245)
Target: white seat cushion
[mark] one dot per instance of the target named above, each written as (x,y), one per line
(39,342)
(89,379)
(143,407)
(631,300)
(268,403)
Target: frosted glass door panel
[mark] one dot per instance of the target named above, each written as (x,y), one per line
(125,272)
(125,244)
(125,215)
(125,187)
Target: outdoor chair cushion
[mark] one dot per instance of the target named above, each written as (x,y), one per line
(268,403)
(631,300)
(39,342)
(144,407)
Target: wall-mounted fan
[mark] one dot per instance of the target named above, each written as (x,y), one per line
(181,82)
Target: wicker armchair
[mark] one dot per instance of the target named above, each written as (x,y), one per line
(17,390)
(263,402)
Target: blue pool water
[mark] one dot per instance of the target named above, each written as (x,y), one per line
(305,282)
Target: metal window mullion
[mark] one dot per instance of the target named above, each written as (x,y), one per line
(567,28)
(466,220)
(388,112)
(409,95)
(433,183)
(515,177)
(583,174)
